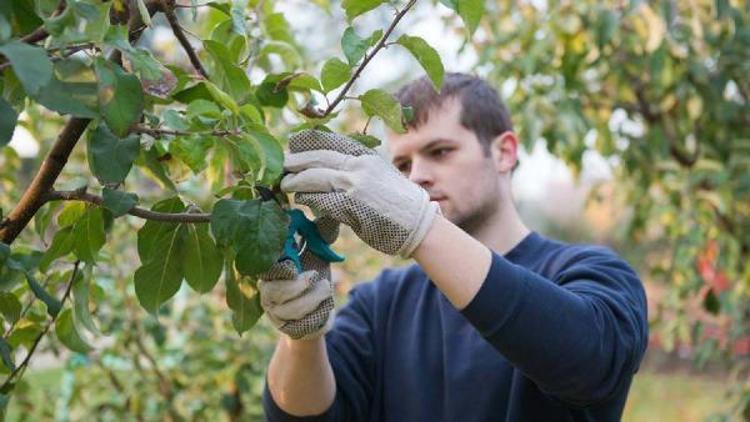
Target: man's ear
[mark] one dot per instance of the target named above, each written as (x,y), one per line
(504,151)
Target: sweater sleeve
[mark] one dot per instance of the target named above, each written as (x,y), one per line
(579,337)
(351,349)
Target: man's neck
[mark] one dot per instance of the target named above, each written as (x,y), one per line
(503,231)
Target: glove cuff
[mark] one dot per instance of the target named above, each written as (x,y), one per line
(426,217)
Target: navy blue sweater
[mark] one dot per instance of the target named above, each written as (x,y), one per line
(555,333)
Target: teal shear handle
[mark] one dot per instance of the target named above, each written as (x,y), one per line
(307,230)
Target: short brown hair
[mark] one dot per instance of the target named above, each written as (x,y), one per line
(482,110)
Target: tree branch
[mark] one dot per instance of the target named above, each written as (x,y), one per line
(369,57)
(79,195)
(33,198)
(160,133)
(657,117)
(41,335)
(167,7)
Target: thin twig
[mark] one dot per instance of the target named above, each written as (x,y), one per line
(68,51)
(78,195)
(38,339)
(160,133)
(167,7)
(369,57)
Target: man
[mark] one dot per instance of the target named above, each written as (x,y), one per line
(494,322)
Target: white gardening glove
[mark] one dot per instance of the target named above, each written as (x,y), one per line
(301,305)
(341,178)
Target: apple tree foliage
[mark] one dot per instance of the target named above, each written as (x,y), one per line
(158,171)
(661,89)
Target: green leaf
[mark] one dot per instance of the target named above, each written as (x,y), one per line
(68,335)
(255,229)
(285,51)
(25,333)
(62,244)
(10,306)
(30,64)
(426,56)
(72,212)
(192,150)
(247,309)
(78,99)
(367,140)
(148,161)
(235,43)
(110,158)
(159,278)
(8,119)
(304,81)
(203,111)
(82,21)
(334,74)
(119,202)
(355,47)
(203,262)
(471,12)
(272,155)
(143,11)
(237,12)
(225,73)
(244,153)
(153,233)
(120,96)
(377,102)
(221,97)
(355,8)
(277,28)
(142,61)
(81,309)
(269,94)
(6,352)
(88,234)
(53,305)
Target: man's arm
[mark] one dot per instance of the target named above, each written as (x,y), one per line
(579,337)
(456,262)
(300,377)
(331,379)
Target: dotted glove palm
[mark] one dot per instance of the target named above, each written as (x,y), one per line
(301,305)
(352,184)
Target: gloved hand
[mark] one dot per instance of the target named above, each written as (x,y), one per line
(301,305)
(341,178)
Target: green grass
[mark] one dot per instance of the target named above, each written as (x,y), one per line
(673,397)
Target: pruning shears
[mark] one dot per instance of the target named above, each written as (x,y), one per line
(302,233)
(302,228)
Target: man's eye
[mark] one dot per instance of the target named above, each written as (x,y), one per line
(440,152)
(403,167)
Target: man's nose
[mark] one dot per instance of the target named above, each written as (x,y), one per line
(421,173)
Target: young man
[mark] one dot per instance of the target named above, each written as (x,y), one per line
(494,322)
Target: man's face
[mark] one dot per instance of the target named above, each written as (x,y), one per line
(447,160)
